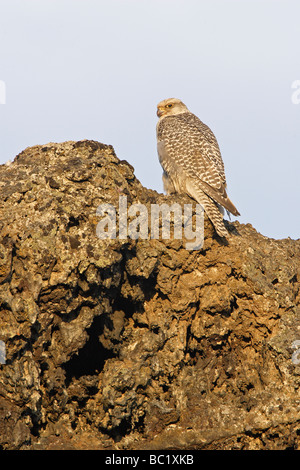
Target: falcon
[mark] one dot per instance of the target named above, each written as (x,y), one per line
(192,164)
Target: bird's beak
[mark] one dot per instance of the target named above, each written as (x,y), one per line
(159,112)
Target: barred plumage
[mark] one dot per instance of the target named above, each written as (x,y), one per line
(191,159)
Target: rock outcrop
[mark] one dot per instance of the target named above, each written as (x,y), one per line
(137,344)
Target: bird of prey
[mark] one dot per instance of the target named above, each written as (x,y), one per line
(191,160)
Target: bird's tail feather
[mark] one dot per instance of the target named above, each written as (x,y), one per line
(211,208)
(219,197)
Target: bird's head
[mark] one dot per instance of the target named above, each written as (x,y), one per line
(170,107)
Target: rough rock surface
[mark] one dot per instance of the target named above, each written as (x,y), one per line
(137,344)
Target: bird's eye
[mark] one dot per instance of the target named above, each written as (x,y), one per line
(169,105)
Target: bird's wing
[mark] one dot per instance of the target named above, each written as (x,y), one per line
(185,143)
(206,140)
(189,144)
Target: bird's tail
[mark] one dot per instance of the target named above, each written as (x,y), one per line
(215,215)
(220,197)
(212,209)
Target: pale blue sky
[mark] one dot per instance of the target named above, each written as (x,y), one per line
(95,69)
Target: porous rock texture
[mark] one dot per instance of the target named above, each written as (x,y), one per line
(137,344)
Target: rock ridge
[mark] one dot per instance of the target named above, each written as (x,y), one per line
(137,344)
